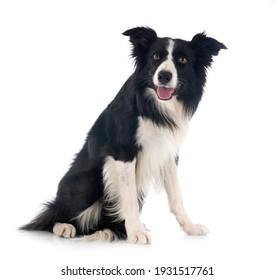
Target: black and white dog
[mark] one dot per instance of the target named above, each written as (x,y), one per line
(134,144)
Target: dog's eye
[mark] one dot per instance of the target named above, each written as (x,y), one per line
(156,56)
(182,60)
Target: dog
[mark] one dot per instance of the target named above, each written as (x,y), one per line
(134,144)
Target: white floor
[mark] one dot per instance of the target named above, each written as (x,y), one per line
(235,248)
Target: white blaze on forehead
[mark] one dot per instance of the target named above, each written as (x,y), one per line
(170,49)
(169,66)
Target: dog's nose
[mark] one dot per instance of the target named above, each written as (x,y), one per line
(164,77)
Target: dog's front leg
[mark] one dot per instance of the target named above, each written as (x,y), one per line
(120,186)
(172,188)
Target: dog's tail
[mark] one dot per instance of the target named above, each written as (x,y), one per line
(43,221)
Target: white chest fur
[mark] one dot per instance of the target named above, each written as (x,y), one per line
(159,145)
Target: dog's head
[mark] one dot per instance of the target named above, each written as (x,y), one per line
(173,67)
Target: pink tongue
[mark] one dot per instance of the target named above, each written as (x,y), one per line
(165,93)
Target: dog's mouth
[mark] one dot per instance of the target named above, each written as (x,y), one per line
(165,93)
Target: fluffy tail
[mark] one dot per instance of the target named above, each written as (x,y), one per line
(43,221)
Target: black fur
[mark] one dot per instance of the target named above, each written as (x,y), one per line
(114,132)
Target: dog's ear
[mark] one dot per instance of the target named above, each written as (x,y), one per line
(141,36)
(141,39)
(206,47)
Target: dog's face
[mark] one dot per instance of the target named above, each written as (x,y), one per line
(173,67)
(168,64)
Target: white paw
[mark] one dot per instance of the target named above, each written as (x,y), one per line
(101,235)
(139,237)
(64,230)
(195,229)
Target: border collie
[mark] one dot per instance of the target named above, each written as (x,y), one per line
(134,144)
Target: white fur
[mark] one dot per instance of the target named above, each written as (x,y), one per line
(168,65)
(89,218)
(159,144)
(156,162)
(120,188)
(171,184)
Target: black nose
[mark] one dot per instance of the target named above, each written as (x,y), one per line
(164,77)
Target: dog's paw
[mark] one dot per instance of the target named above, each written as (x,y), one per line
(139,237)
(195,229)
(101,235)
(64,230)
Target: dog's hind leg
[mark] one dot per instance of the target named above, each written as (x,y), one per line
(171,184)
(121,191)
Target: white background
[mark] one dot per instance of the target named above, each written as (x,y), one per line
(62,62)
